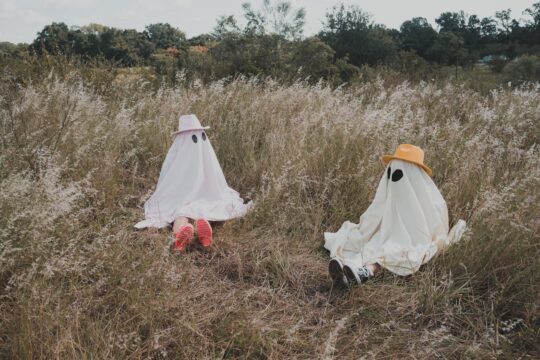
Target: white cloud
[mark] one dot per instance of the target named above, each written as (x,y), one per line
(7,6)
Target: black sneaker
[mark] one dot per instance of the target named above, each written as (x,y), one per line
(335,269)
(360,276)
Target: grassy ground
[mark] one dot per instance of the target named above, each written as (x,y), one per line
(78,281)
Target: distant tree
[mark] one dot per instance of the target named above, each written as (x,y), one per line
(275,17)
(83,44)
(347,19)
(488,29)
(534,13)
(263,46)
(449,49)
(203,39)
(504,20)
(533,25)
(251,55)
(145,48)
(13,51)
(467,27)
(128,47)
(226,26)
(418,35)
(350,32)
(314,58)
(380,47)
(53,39)
(475,32)
(510,33)
(453,22)
(7,47)
(472,34)
(164,36)
(271,43)
(93,28)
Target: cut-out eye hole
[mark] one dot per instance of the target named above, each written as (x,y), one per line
(388,172)
(204,136)
(194,138)
(397,175)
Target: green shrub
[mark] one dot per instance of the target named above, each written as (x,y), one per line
(525,68)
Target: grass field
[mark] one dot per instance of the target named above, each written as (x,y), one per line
(77,281)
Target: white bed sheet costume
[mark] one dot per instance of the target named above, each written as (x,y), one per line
(403,228)
(191,183)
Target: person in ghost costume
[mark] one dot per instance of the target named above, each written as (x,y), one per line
(191,187)
(403,228)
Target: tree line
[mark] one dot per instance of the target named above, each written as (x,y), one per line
(270,42)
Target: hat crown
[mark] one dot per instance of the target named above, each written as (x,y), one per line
(188,122)
(410,152)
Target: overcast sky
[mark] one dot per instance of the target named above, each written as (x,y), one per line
(20,20)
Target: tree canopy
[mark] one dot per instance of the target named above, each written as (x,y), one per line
(269,41)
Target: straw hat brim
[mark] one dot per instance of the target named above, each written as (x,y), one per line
(387,158)
(192,129)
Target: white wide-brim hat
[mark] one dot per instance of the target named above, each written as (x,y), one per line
(189,123)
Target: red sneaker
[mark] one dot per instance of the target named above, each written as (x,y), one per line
(204,231)
(183,237)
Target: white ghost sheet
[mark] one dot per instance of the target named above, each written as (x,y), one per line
(403,228)
(192,184)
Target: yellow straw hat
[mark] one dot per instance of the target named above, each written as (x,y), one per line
(410,153)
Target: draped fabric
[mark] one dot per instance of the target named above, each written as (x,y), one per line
(403,228)
(192,184)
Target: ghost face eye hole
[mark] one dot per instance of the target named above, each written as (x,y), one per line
(397,175)
(388,172)
(194,138)
(204,136)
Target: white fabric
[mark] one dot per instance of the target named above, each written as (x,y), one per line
(191,184)
(403,228)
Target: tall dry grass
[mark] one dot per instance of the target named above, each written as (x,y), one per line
(77,281)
